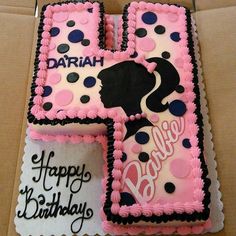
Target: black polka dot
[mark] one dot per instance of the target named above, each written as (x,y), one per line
(149,18)
(134,55)
(169,187)
(142,137)
(175,36)
(89,82)
(141,32)
(54,31)
(63,48)
(186,143)
(85,42)
(85,99)
(124,157)
(160,29)
(76,36)
(126,199)
(72,77)
(47,106)
(165,55)
(143,156)
(90,10)
(179,89)
(47,90)
(70,23)
(177,108)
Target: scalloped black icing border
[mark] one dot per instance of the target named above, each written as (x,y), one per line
(204,215)
(110,129)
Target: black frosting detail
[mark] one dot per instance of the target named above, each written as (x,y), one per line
(90,10)
(204,215)
(70,23)
(133,126)
(186,143)
(124,157)
(169,187)
(160,29)
(85,99)
(125,26)
(72,77)
(85,42)
(165,55)
(47,106)
(126,199)
(141,32)
(63,48)
(179,89)
(143,156)
(134,55)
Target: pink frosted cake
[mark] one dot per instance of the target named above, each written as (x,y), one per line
(142,96)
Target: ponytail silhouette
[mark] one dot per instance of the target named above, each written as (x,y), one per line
(169,80)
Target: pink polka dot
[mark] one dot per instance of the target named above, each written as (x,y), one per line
(136,148)
(172,17)
(83,20)
(60,16)
(54,78)
(154,118)
(52,46)
(179,62)
(179,168)
(146,44)
(64,97)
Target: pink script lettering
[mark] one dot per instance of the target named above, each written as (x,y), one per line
(141,184)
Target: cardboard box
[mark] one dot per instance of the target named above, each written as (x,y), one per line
(217,32)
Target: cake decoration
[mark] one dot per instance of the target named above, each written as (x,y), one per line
(143,96)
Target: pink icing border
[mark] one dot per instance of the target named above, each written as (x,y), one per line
(68,138)
(119,33)
(109,29)
(103,113)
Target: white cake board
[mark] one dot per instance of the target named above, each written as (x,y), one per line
(216,205)
(91,155)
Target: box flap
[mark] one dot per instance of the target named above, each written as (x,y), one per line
(206,4)
(219,73)
(17,10)
(17,3)
(16,35)
(116,7)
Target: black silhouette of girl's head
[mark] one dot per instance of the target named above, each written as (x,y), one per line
(126,83)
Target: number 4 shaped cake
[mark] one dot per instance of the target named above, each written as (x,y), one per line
(140,100)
